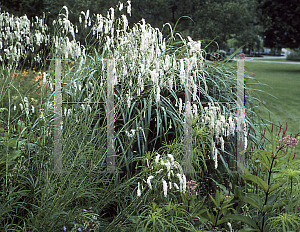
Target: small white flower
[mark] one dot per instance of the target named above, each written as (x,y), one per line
(32,108)
(165,186)
(21,107)
(170,185)
(15,108)
(149,181)
(79,87)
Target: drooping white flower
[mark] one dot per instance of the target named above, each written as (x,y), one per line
(138,190)
(158,94)
(180,181)
(172,158)
(170,185)
(121,6)
(195,110)
(180,105)
(222,143)
(168,165)
(90,109)
(216,157)
(32,108)
(229,225)
(157,158)
(165,187)
(183,183)
(129,8)
(149,181)
(176,186)
(21,106)
(159,171)
(15,108)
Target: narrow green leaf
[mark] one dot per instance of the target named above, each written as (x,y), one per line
(248,229)
(211,217)
(257,198)
(264,160)
(267,208)
(257,180)
(250,201)
(274,187)
(217,205)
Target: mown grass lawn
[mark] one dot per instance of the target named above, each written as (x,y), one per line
(283,82)
(280,60)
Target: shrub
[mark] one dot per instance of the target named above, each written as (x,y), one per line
(295,56)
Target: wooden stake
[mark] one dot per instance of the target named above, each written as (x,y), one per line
(240,117)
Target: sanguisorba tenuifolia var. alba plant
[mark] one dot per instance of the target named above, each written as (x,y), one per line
(149,82)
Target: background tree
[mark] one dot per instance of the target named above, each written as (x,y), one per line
(281,22)
(206,19)
(19,8)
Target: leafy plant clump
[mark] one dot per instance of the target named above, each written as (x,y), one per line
(150,75)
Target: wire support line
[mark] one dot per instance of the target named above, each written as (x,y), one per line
(83,102)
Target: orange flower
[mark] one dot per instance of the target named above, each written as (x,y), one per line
(37,78)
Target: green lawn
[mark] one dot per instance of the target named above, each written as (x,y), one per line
(283,82)
(281,60)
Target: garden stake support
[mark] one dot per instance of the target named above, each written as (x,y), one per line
(58,119)
(240,117)
(110,159)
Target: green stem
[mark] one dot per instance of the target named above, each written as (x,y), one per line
(267,194)
(291,185)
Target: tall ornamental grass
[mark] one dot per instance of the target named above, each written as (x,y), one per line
(149,74)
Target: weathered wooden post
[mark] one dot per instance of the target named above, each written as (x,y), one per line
(58,119)
(188,157)
(240,117)
(110,113)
